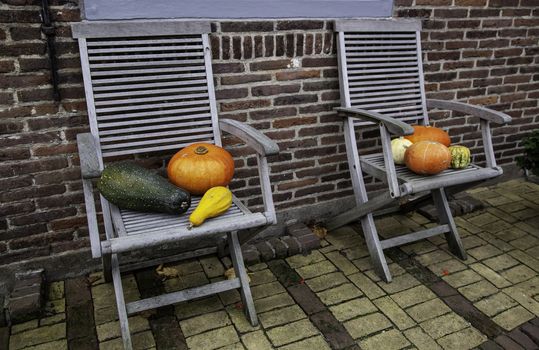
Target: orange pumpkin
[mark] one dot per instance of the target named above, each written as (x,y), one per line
(199,167)
(427,158)
(429,133)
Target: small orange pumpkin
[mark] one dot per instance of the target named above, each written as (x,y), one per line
(427,158)
(199,167)
(429,133)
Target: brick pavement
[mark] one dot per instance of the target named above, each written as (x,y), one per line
(331,298)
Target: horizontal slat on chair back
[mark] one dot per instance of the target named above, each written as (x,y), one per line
(380,62)
(150,92)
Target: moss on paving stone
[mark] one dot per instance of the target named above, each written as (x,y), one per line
(421,340)
(427,310)
(353,308)
(291,332)
(281,316)
(443,325)
(213,339)
(202,323)
(365,325)
(387,340)
(256,341)
(478,290)
(465,339)
(37,336)
(512,318)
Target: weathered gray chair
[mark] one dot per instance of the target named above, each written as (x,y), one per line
(381,83)
(149,88)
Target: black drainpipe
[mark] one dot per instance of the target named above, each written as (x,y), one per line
(48,29)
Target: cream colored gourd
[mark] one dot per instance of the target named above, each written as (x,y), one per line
(398,148)
(215,202)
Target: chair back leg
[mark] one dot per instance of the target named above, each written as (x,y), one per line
(239,269)
(120,302)
(445,217)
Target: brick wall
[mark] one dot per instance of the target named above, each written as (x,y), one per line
(279,76)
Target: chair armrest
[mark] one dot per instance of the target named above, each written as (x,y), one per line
(394,126)
(258,141)
(476,111)
(89,159)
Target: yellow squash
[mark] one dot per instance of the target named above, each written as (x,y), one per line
(215,202)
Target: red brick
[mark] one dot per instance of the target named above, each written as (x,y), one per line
(247,26)
(295,99)
(268,90)
(299,25)
(302,74)
(244,78)
(271,65)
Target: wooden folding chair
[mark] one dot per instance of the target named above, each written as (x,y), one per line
(149,88)
(381,83)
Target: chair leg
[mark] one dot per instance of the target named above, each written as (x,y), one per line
(120,302)
(445,217)
(239,268)
(375,249)
(107,267)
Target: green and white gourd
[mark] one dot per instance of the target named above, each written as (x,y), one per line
(460,156)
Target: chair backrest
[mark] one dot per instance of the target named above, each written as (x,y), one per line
(380,67)
(148,84)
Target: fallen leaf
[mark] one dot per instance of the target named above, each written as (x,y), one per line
(230,274)
(445,272)
(166,272)
(319,230)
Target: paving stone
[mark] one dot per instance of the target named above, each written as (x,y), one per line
(342,263)
(447,267)
(212,266)
(80,321)
(413,296)
(202,323)
(55,290)
(53,307)
(399,283)
(512,318)
(257,267)
(291,332)
(352,308)
(465,339)
(298,261)
(507,343)
(230,297)
(367,286)
(281,316)
(471,241)
(497,226)
(363,264)
(339,294)
(518,274)
(443,325)
(478,290)
(55,345)
(490,345)
(53,319)
(510,234)
(498,243)
(141,341)
(433,257)
(317,342)
(462,278)
(420,339)
(522,339)
(112,329)
(213,339)
(355,252)
(532,331)
(187,267)
(427,310)
(273,302)
(419,247)
(491,275)
(501,262)
(17,328)
(324,282)
(524,298)
(365,325)
(306,298)
(526,259)
(484,252)
(237,315)
(495,304)
(191,280)
(256,341)
(316,269)
(165,330)
(332,330)
(394,313)
(235,346)
(443,289)
(37,336)
(388,340)
(261,277)
(482,219)
(267,289)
